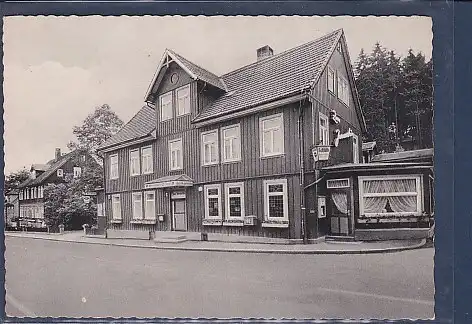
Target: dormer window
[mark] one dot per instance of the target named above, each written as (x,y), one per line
(77,172)
(165,103)
(60,173)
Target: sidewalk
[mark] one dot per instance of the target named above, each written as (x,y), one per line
(322,247)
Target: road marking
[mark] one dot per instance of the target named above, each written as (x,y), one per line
(355,293)
(19,306)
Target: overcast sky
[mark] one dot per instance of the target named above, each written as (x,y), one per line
(58,69)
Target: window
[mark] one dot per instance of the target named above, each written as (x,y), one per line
(343,90)
(114,166)
(324,129)
(231,143)
(166,106)
(146,159)
(116,206)
(60,173)
(212,202)
(137,205)
(234,200)
(150,207)
(134,167)
(175,154)
(183,100)
(77,172)
(337,183)
(390,196)
(272,135)
(210,147)
(355,149)
(275,200)
(339,47)
(331,80)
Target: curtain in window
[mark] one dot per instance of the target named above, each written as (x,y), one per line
(374,204)
(403,203)
(340,200)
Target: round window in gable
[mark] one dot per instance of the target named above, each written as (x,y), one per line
(174,78)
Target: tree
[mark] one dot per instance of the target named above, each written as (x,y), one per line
(99,126)
(14,179)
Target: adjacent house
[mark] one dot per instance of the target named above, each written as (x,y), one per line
(239,153)
(12,209)
(31,191)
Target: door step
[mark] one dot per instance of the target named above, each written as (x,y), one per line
(170,237)
(333,238)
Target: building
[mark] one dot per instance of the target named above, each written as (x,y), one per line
(238,153)
(31,191)
(12,208)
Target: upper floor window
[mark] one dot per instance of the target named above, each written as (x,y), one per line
(231,143)
(210,147)
(343,90)
(183,100)
(77,172)
(114,166)
(272,135)
(175,154)
(60,173)
(324,129)
(165,101)
(146,159)
(355,149)
(331,80)
(134,168)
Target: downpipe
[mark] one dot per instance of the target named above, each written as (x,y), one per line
(302,173)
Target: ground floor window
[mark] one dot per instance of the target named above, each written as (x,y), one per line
(213,201)
(275,200)
(137,205)
(150,205)
(390,196)
(234,200)
(116,206)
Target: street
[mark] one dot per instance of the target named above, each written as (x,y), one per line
(45,278)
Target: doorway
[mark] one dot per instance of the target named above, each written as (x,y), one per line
(179,216)
(341,214)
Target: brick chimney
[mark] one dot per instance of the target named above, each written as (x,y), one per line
(264,52)
(58,153)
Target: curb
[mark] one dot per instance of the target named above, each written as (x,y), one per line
(267,251)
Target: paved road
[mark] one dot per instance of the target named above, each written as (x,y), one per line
(45,278)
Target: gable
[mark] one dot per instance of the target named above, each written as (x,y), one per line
(171,78)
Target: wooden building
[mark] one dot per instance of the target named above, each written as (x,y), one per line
(238,153)
(31,191)
(12,208)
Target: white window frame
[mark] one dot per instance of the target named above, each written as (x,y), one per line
(227,186)
(146,201)
(185,99)
(116,207)
(77,172)
(114,174)
(267,194)
(331,82)
(330,182)
(237,156)
(147,162)
(163,101)
(207,196)
(323,130)
(262,131)
(355,148)
(134,161)
(213,144)
(138,195)
(172,148)
(343,90)
(60,173)
(419,194)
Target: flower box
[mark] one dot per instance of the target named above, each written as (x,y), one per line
(275,224)
(212,222)
(232,222)
(143,221)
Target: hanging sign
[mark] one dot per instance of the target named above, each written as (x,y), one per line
(314,152)
(323,153)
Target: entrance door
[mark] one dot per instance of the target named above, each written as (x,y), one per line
(340,220)
(178,215)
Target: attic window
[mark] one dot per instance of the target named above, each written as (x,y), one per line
(60,173)
(339,48)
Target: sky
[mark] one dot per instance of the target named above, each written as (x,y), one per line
(58,69)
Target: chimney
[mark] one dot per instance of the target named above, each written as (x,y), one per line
(58,153)
(264,52)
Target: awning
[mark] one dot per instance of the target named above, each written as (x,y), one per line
(180,180)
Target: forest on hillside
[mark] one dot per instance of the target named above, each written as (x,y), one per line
(396,94)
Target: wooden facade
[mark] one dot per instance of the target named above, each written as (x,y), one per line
(300,120)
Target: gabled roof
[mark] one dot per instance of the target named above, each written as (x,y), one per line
(52,169)
(141,125)
(196,72)
(40,167)
(275,77)
(404,156)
